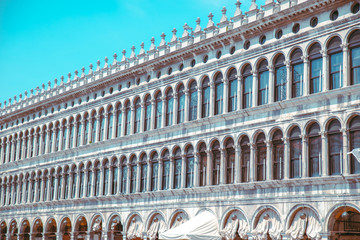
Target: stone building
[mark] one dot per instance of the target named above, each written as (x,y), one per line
(250,119)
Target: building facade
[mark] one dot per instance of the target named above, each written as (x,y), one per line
(250,119)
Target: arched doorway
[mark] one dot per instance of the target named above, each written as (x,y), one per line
(50,230)
(135,228)
(115,229)
(304,224)
(65,228)
(38,229)
(156,226)
(81,228)
(267,225)
(96,228)
(13,230)
(3,230)
(344,224)
(235,226)
(25,230)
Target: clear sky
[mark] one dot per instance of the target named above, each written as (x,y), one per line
(40,40)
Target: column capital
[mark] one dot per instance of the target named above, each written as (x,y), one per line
(254,72)
(345,47)
(323,53)
(285,140)
(323,134)
(271,68)
(344,131)
(305,58)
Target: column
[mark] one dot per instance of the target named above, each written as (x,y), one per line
(102,176)
(70,183)
(41,135)
(325,77)
(30,189)
(346,72)
(237,177)
(212,98)
(128,178)
(196,169)
(17,153)
(30,140)
(106,127)
(240,92)
(82,137)
(77,194)
(171,174)
(2,195)
(183,171)
(222,166)
(289,80)
(255,89)
(55,196)
(148,175)
(199,105)
(252,162)
(305,58)
(163,120)
(48,191)
(8,148)
(92,193)
(304,154)
(209,168)
(324,156)
(62,129)
(132,125)
(36,189)
(85,193)
(123,121)
(24,149)
(269,162)
(113,135)
(111,167)
(13,153)
(175,120)
(160,170)
(48,147)
(63,186)
(153,113)
(8,193)
(187,101)
(138,176)
(2,154)
(53,140)
(286,158)
(42,190)
(226,95)
(97,132)
(119,178)
(23,191)
(142,117)
(18,200)
(271,84)
(345,158)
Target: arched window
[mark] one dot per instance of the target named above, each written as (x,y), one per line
(143,173)
(177,168)
(297,73)
(106,179)
(43,140)
(165,170)
(32,143)
(313,133)
(202,164)
(78,131)
(26,144)
(158,108)
(133,174)
(15,146)
(232,90)
(354,130)
(127,118)
(64,135)
(280,78)
(3,201)
(74,181)
(247,82)
(205,103)
(114,175)
(193,103)
(89,180)
(118,120)
(263,83)
(216,158)
(219,94)
(295,153)
(245,159)
(169,107)
(10,145)
(260,157)
(230,161)
(46,182)
(97,179)
(278,155)
(110,123)
(137,116)
(154,171)
(82,181)
(93,127)
(15,190)
(354,44)
(9,195)
(59,185)
(71,132)
(27,186)
(180,104)
(123,181)
(86,129)
(39,186)
(21,144)
(66,184)
(335,146)
(102,125)
(189,167)
(52,186)
(335,63)
(316,71)
(147,121)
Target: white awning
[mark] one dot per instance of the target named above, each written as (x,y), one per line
(203,226)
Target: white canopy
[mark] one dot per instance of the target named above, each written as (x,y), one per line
(203,226)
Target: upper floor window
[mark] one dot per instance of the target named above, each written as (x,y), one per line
(147,109)
(335,146)
(165,170)
(180,104)
(93,127)
(335,63)
(219,92)
(316,66)
(86,129)
(124,175)
(245,159)
(278,155)
(313,133)
(137,116)
(295,153)
(354,139)
(247,86)
(202,164)
(97,175)
(354,44)
(177,168)
(133,174)
(216,158)
(71,132)
(169,107)
(118,120)
(297,73)
(189,167)
(158,110)
(260,157)
(205,96)
(110,122)
(143,173)
(127,118)
(232,90)
(114,176)
(263,83)
(280,78)
(106,175)
(154,171)
(193,103)
(230,161)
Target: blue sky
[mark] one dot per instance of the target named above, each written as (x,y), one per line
(42,40)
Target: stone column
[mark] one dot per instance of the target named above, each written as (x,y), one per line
(24,149)
(199,95)
(289,80)
(102,175)
(92,194)
(123,120)
(82,137)
(226,95)
(70,183)
(160,171)
(47,144)
(196,169)
(187,107)
(138,176)
(306,79)
(30,189)
(41,137)
(55,196)
(345,158)
(163,120)
(77,194)
(17,153)
(286,158)
(119,178)
(171,174)
(2,197)
(36,189)
(304,154)
(13,153)
(8,148)
(2,157)
(62,129)
(148,175)
(252,166)
(209,167)
(255,89)
(19,193)
(111,182)
(63,189)
(53,147)
(142,118)
(237,177)
(346,72)
(128,180)
(30,140)
(113,135)
(97,132)
(106,127)
(9,193)
(23,191)
(132,122)
(153,113)
(324,161)
(268,162)
(271,84)
(325,74)
(240,92)
(183,171)
(42,190)
(212,98)
(175,115)
(222,165)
